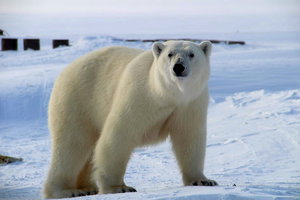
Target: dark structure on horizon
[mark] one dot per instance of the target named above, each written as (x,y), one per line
(33,44)
(9,44)
(58,43)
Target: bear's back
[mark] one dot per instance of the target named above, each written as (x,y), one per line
(91,80)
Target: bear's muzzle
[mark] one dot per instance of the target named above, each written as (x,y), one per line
(179,70)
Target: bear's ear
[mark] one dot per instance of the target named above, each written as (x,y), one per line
(206,47)
(157,48)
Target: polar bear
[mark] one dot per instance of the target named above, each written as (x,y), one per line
(109,102)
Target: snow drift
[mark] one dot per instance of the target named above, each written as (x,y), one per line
(253,123)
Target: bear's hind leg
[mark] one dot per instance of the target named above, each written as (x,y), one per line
(68,160)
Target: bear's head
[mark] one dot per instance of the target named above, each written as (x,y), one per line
(182,67)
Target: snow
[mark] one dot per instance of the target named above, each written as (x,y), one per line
(253,142)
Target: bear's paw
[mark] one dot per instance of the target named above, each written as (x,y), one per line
(204,182)
(118,189)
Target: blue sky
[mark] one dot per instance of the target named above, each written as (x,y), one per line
(112,17)
(216,7)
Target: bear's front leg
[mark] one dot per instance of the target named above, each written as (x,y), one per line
(188,136)
(111,156)
(190,154)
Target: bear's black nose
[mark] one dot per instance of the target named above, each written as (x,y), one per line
(179,69)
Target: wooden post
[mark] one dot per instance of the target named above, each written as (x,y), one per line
(9,44)
(33,44)
(58,43)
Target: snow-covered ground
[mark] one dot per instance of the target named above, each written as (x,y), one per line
(253,146)
(253,122)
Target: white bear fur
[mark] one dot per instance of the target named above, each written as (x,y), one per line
(109,102)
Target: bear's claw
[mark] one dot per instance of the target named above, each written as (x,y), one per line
(118,189)
(124,189)
(79,193)
(206,182)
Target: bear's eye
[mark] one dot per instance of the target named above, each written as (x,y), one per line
(170,55)
(191,55)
